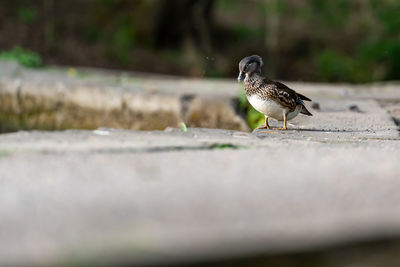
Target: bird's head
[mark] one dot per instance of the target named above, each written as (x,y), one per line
(249,65)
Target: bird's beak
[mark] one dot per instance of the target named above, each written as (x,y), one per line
(241,76)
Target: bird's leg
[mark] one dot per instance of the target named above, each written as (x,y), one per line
(265,126)
(284,122)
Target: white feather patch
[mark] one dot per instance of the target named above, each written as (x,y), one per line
(271,108)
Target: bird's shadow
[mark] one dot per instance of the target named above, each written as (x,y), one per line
(326,130)
(274,130)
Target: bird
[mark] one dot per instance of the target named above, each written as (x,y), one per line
(271,98)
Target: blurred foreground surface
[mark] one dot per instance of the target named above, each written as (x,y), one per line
(324,193)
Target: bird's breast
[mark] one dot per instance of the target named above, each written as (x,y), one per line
(266,106)
(271,108)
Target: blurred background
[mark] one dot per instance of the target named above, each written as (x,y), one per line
(309,40)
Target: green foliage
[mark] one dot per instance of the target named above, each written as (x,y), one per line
(228,5)
(317,40)
(243,103)
(384,55)
(334,66)
(253,117)
(245,32)
(113,25)
(25,57)
(184,127)
(372,56)
(387,12)
(172,55)
(330,13)
(224,146)
(123,41)
(92,34)
(27,15)
(371,61)
(274,6)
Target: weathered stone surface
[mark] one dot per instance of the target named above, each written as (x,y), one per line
(52,99)
(126,197)
(315,194)
(57,98)
(30,103)
(214,113)
(392,105)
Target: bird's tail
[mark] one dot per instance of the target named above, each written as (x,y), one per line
(305,111)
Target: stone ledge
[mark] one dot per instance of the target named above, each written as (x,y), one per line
(64,98)
(50,99)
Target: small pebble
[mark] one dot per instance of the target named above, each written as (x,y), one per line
(315,106)
(354,108)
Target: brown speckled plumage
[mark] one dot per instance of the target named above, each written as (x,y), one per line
(273,99)
(277,91)
(254,83)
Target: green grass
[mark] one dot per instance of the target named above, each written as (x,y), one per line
(224,146)
(25,57)
(183,127)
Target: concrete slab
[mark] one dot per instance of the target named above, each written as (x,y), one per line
(65,98)
(115,197)
(120,197)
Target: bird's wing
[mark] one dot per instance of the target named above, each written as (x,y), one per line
(282,94)
(284,87)
(303,97)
